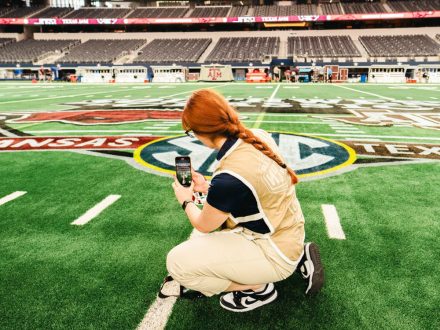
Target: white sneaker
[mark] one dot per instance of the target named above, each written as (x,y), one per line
(244,301)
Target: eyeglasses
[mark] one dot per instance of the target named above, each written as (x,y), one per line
(190,134)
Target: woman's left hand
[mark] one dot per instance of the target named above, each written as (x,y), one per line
(182,193)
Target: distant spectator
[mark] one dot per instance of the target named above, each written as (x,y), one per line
(329,74)
(287,73)
(276,73)
(41,74)
(425,76)
(321,74)
(419,75)
(293,76)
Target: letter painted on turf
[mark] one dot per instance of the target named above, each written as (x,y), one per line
(65,142)
(32,143)
(123,142)
(93,143)
(398,149)
(367,146)
(428,151)
(6,143)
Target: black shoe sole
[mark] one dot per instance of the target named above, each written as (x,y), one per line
(317,276)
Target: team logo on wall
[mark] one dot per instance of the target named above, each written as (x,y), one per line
(307,155)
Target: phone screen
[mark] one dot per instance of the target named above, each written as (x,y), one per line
(183,171)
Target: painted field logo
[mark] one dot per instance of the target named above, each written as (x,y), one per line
(307,155)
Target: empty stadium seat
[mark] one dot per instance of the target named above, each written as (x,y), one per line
(329,46)
(363,8)
(98,13)
(52,12)
(18,12)
(101,51)
(167,51)
(400,45)
(208,11)
(29,51)
(408,6)
(243,49)
(159,12)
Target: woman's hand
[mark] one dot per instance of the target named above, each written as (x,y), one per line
(200,183)
(182,193)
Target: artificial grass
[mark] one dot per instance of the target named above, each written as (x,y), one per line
(103,275)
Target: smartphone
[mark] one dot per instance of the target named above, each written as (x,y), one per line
(183,170)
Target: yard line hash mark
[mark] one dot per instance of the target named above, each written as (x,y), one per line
(160,310)
(96,210)
(11,197)
(332,222)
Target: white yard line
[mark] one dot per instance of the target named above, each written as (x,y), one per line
(51,98)
(105,92)
(160,310)
(372,94)
(11,197)
(96,210)
(106,131)
(353,135)
(369,139)
(332,222)
(346,128)
(286,122)
(378,136)
(349,131)
(260,118)
(155,127)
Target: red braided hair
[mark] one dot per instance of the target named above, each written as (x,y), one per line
(208,113)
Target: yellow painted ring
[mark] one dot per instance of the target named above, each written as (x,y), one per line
(351,154)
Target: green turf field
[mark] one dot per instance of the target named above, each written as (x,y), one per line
(106,273)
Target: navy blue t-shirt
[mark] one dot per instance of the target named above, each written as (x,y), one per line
(229,194)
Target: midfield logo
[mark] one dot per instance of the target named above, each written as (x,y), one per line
(307,155)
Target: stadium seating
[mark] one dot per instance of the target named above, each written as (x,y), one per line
(98,13)
(331,46)
(363,8)
(52,12)
(101,51)
(18,12)
(296,9)
(243,49)
(5,41)
(158,12)
(29,51)
(331,8)
(420,5)
(208,11)
(394,46)
(167,51)
(238,11)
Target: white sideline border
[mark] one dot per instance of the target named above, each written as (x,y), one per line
(96,210)
(332,222)
(11,197)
